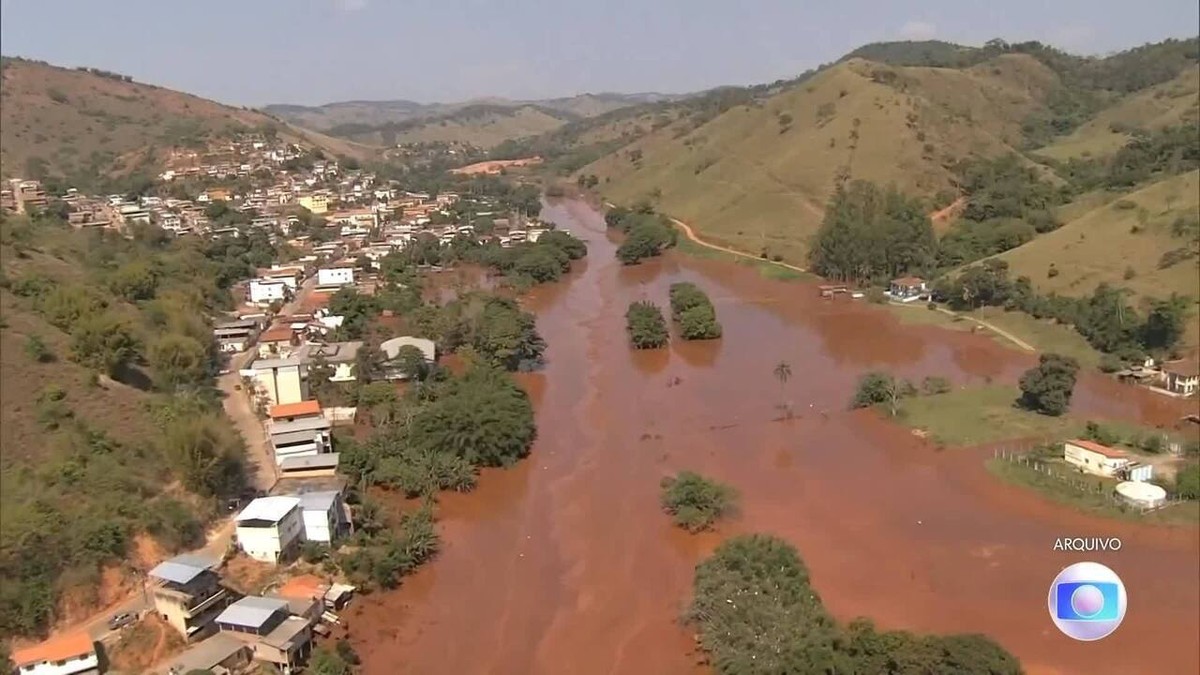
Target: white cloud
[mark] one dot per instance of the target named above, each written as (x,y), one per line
(918,30)
(350,5)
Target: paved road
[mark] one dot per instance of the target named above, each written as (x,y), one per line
(237,406)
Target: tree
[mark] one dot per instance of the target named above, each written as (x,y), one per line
(482,417)
(646,326)
(696,502)
(410,361)
(1165,324)
(179,361)
(326,661)
(134,281)
(782,373)
(103,342)
(206,452)
(871,234)
(694,312)
(1047,388)
(876,388)
(1187,482)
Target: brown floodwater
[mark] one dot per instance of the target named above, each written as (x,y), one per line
(565,564)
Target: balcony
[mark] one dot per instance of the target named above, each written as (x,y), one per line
(206,603)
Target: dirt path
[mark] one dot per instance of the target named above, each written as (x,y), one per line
(949,211)
(691,235)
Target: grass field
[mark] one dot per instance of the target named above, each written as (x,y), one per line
(977,415)
(765,268)
(1092,494)
(1121,242)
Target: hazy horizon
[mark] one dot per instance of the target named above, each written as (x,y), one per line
(313,52)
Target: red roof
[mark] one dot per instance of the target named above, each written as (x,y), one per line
(277,333)
(1111,453)
(908,281)
(1183,368)
(55,649)
(295,409)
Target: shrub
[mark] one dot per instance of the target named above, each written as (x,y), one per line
(696,502)
(934,385)
(37,349)
(646,326)
(694,312)
(1047,388)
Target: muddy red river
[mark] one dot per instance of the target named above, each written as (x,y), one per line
(565,564)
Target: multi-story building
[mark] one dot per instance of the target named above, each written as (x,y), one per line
(188,595)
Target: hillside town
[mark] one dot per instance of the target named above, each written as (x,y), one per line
(337,226)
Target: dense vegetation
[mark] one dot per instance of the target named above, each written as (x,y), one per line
(696,502)
(1105,318)
(757,613)
(647,234)
(871,234)
(646,326)
(694,312)
(134,310)
(1047,387)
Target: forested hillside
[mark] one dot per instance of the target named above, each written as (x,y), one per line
(482,126)
(112,438)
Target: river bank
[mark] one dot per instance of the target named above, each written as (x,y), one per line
(565,563)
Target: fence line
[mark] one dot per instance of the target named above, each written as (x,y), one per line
(1072,479)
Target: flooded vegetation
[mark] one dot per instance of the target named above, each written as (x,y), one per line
(566,564)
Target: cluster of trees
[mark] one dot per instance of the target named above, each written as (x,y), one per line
(695,502)
(338,660)
(757,613)
(871,234)
(385,550)
(1105,318)
(133,306)
(646,326)
(1047,387)
(879,388)
(529,263)
(647,234)
(1170,151)
(694,312)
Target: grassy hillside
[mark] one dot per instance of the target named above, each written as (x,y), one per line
(482,126)
(1168,104)
(81,125)
(758,175)
(111,433)
(1128,242)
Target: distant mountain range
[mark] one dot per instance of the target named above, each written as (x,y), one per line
(377,113)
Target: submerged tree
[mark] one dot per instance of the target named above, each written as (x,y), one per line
(783,373)
(1047,387)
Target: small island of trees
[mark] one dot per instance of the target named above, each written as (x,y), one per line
(647,234)
(646,326)
(694,312)
(696,502)
(758,614)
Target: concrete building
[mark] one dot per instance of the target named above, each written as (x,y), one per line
(270,529)
(188,594)
(1182,377)
(324,514)
(1094,458)
(273,633)
(236,336)
(266,291)
(907,289)
(73,654)
(302,437)
(340,356)
(309,466)
(315,203)
(277,381)
(221,653)
(335,277)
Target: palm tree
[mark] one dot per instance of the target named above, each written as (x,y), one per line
(783,372)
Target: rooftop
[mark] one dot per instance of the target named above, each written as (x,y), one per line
(285,633)
(908,281)
(277,427)
(325,460)
(295,409)
(205,654)
(55,649)
(251,611)
(317,501)
(272,509)
(333,352)
(180,569)
(1111,453)
(1183,368)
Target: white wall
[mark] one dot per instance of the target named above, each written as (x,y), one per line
(72,666)
(266,543)
(264,292)
(335,276)
(316,527)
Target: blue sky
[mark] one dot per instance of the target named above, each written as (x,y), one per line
(253,52)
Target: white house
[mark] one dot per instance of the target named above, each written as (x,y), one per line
(1182,377)
(73,654)
(302,437)
(270,528)
(266,291)
(323,514)
(335,277)
(1094,458)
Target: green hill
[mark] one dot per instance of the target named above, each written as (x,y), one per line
(482,126)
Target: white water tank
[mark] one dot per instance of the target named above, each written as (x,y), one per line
(1144,495)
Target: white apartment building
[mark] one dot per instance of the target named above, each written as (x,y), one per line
(270,528)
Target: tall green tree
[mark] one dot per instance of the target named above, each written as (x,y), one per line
(1047,387)
(872,234)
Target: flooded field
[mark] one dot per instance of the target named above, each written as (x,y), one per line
(565,563)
